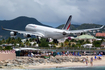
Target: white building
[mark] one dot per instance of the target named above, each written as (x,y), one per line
(87,45)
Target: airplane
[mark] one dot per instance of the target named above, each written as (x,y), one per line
(48,32)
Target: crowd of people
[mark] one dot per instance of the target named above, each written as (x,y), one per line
(91,60)
(36,54)
(52,53)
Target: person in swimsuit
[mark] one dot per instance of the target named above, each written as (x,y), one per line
(91,61)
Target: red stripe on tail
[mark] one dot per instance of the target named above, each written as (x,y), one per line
(68,26)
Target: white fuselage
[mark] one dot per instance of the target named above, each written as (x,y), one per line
(47,32)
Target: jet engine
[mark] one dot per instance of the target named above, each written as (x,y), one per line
(83,33)
(26,35)
(64,33)
(13,33)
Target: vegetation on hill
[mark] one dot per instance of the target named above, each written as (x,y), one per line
(87,26)
(72,27)
(83,26)
(17,23)
(68,44)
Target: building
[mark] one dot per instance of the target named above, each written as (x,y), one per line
(63,39)
(103,44)
(85,37)
(100,34)
(87,45)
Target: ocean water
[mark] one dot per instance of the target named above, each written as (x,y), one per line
(76,68)
(71,68)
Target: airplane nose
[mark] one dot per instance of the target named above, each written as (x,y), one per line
(26,27)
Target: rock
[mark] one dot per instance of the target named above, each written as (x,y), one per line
(15,65)
(41,60)
(19,60)
(9,64)
(1,67)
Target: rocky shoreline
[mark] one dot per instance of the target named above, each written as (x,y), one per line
(23,62)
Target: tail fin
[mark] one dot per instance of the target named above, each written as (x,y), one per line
(68,23)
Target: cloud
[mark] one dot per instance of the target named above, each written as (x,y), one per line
(54,12)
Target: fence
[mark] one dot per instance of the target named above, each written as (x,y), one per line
(7,55)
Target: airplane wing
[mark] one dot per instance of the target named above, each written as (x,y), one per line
(25,32)
(85,30)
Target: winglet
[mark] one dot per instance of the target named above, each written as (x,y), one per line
(2,28)
(102,27)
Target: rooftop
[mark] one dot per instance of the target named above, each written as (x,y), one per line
(100,34)
(85,37)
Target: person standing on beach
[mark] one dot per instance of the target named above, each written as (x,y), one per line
(95,57)
(86,61)
(91,61)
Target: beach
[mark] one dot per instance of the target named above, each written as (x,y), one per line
(53,62)
(70,64)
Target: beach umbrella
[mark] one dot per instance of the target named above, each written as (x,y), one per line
(99,55)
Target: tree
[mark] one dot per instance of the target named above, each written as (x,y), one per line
(8,40)
(34,44)
(62,45)
(30,39)
(8,48)
(73,40)
(96,43)
(21,44)
(66,42)
(73,45)
(3,41)
(27,43)
(69,44)
(0,42)
(18,40)
(87,41)
(81,41)
(43,43)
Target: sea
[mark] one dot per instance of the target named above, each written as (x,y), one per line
(70,68)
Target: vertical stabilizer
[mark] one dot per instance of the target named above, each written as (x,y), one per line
(68,23)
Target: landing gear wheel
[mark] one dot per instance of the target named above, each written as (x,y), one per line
(55,41)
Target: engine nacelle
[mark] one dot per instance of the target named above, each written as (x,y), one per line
(26,35)
(64,33)
(13,33)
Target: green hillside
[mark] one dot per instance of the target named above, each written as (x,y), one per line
(87,26)
(83,26)
(17,23)
(72,27)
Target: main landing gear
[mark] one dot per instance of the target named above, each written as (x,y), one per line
(55,41)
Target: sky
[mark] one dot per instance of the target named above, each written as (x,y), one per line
(54,12)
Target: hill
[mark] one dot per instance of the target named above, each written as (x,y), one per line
(83,26)
(72,27)
(17,23)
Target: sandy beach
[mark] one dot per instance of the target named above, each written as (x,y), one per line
(52,62)
(70,64)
